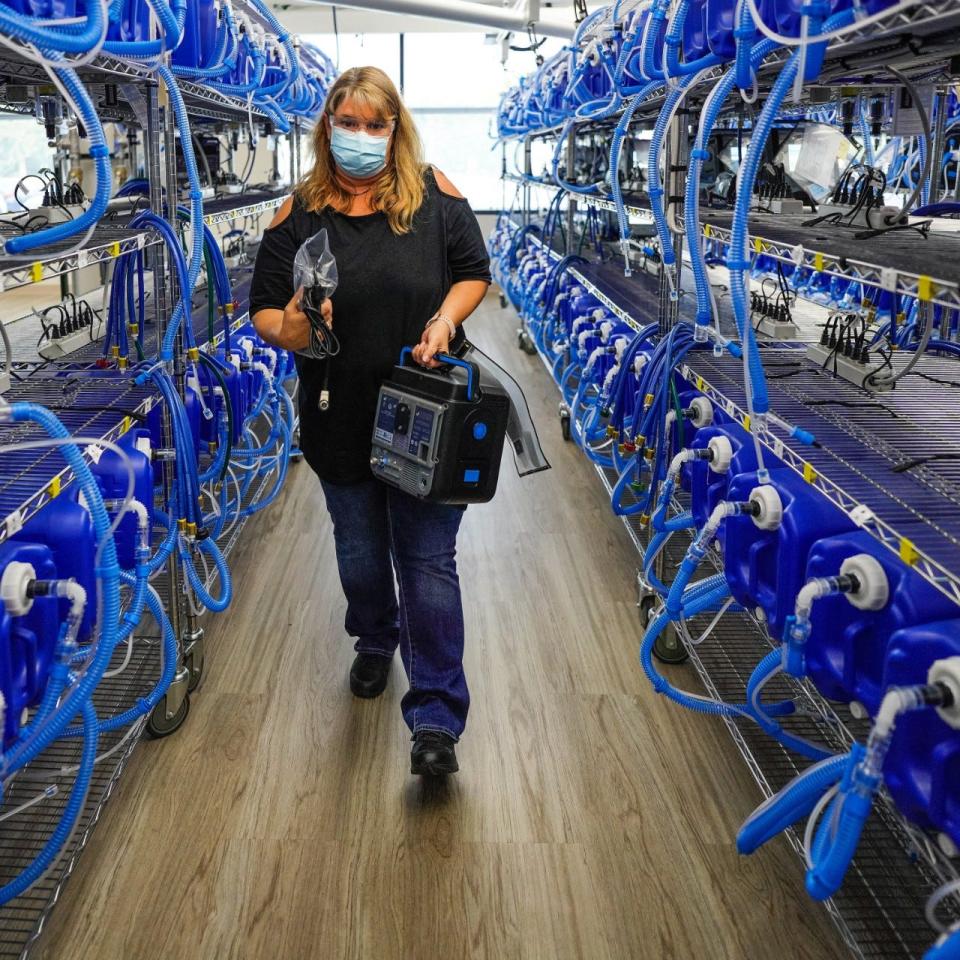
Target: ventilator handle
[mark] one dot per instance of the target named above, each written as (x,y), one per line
(473,371)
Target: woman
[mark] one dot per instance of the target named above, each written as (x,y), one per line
(412,267)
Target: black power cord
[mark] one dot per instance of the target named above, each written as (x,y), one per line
(324,344)
(906,465)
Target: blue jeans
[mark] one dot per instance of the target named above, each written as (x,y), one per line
(378,530)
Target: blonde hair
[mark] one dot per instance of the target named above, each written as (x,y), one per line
(399,190)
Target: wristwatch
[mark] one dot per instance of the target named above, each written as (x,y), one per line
(450,324)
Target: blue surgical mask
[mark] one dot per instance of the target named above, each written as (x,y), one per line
(358,154)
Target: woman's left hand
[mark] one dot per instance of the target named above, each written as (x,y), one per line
(435,339)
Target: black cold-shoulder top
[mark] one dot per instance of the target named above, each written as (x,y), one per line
(389,287)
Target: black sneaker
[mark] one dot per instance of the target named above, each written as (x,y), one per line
(433,754)
(368,675)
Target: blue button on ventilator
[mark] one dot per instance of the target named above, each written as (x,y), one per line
(471,476)
(479,431)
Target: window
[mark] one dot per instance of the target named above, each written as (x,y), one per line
(452,83)
(457,116)
(458,142)
(470,68)
(362,50)
(25,151)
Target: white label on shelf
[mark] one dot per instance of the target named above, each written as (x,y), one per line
(94,452)
(888,279)
(796,254)
(141,239)
(14,523)
(861,515)
(82,259)
(777,445)
(906,117)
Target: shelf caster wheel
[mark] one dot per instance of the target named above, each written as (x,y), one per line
(195,665)
(296,455)
(565,425)
(160,725)
(647,606)
(668,647)
(503,302)
(194,659)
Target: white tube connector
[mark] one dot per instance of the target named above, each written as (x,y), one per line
(724,509)
(592,359)
(810,592)
(76,594)
(271,357)
(895,701)
(261,367)
(193,383)
(143,520)
(684,456)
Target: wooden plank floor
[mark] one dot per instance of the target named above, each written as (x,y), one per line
(591,818)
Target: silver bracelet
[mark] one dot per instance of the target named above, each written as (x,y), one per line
(450,324)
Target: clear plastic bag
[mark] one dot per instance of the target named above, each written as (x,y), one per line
(315,270)
(528,455)
(316,267)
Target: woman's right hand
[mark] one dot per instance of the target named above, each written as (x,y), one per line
(295,328)
(296,324)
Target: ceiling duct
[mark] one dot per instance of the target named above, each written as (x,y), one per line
(463,11)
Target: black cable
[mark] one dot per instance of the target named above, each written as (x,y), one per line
(833,217)
(906,465)
(227,406)
(938,380)
(925,124)
(923,228)
(248,169)
(323,341)
(16,189)
(853,404)
(887,364)
(204,162)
